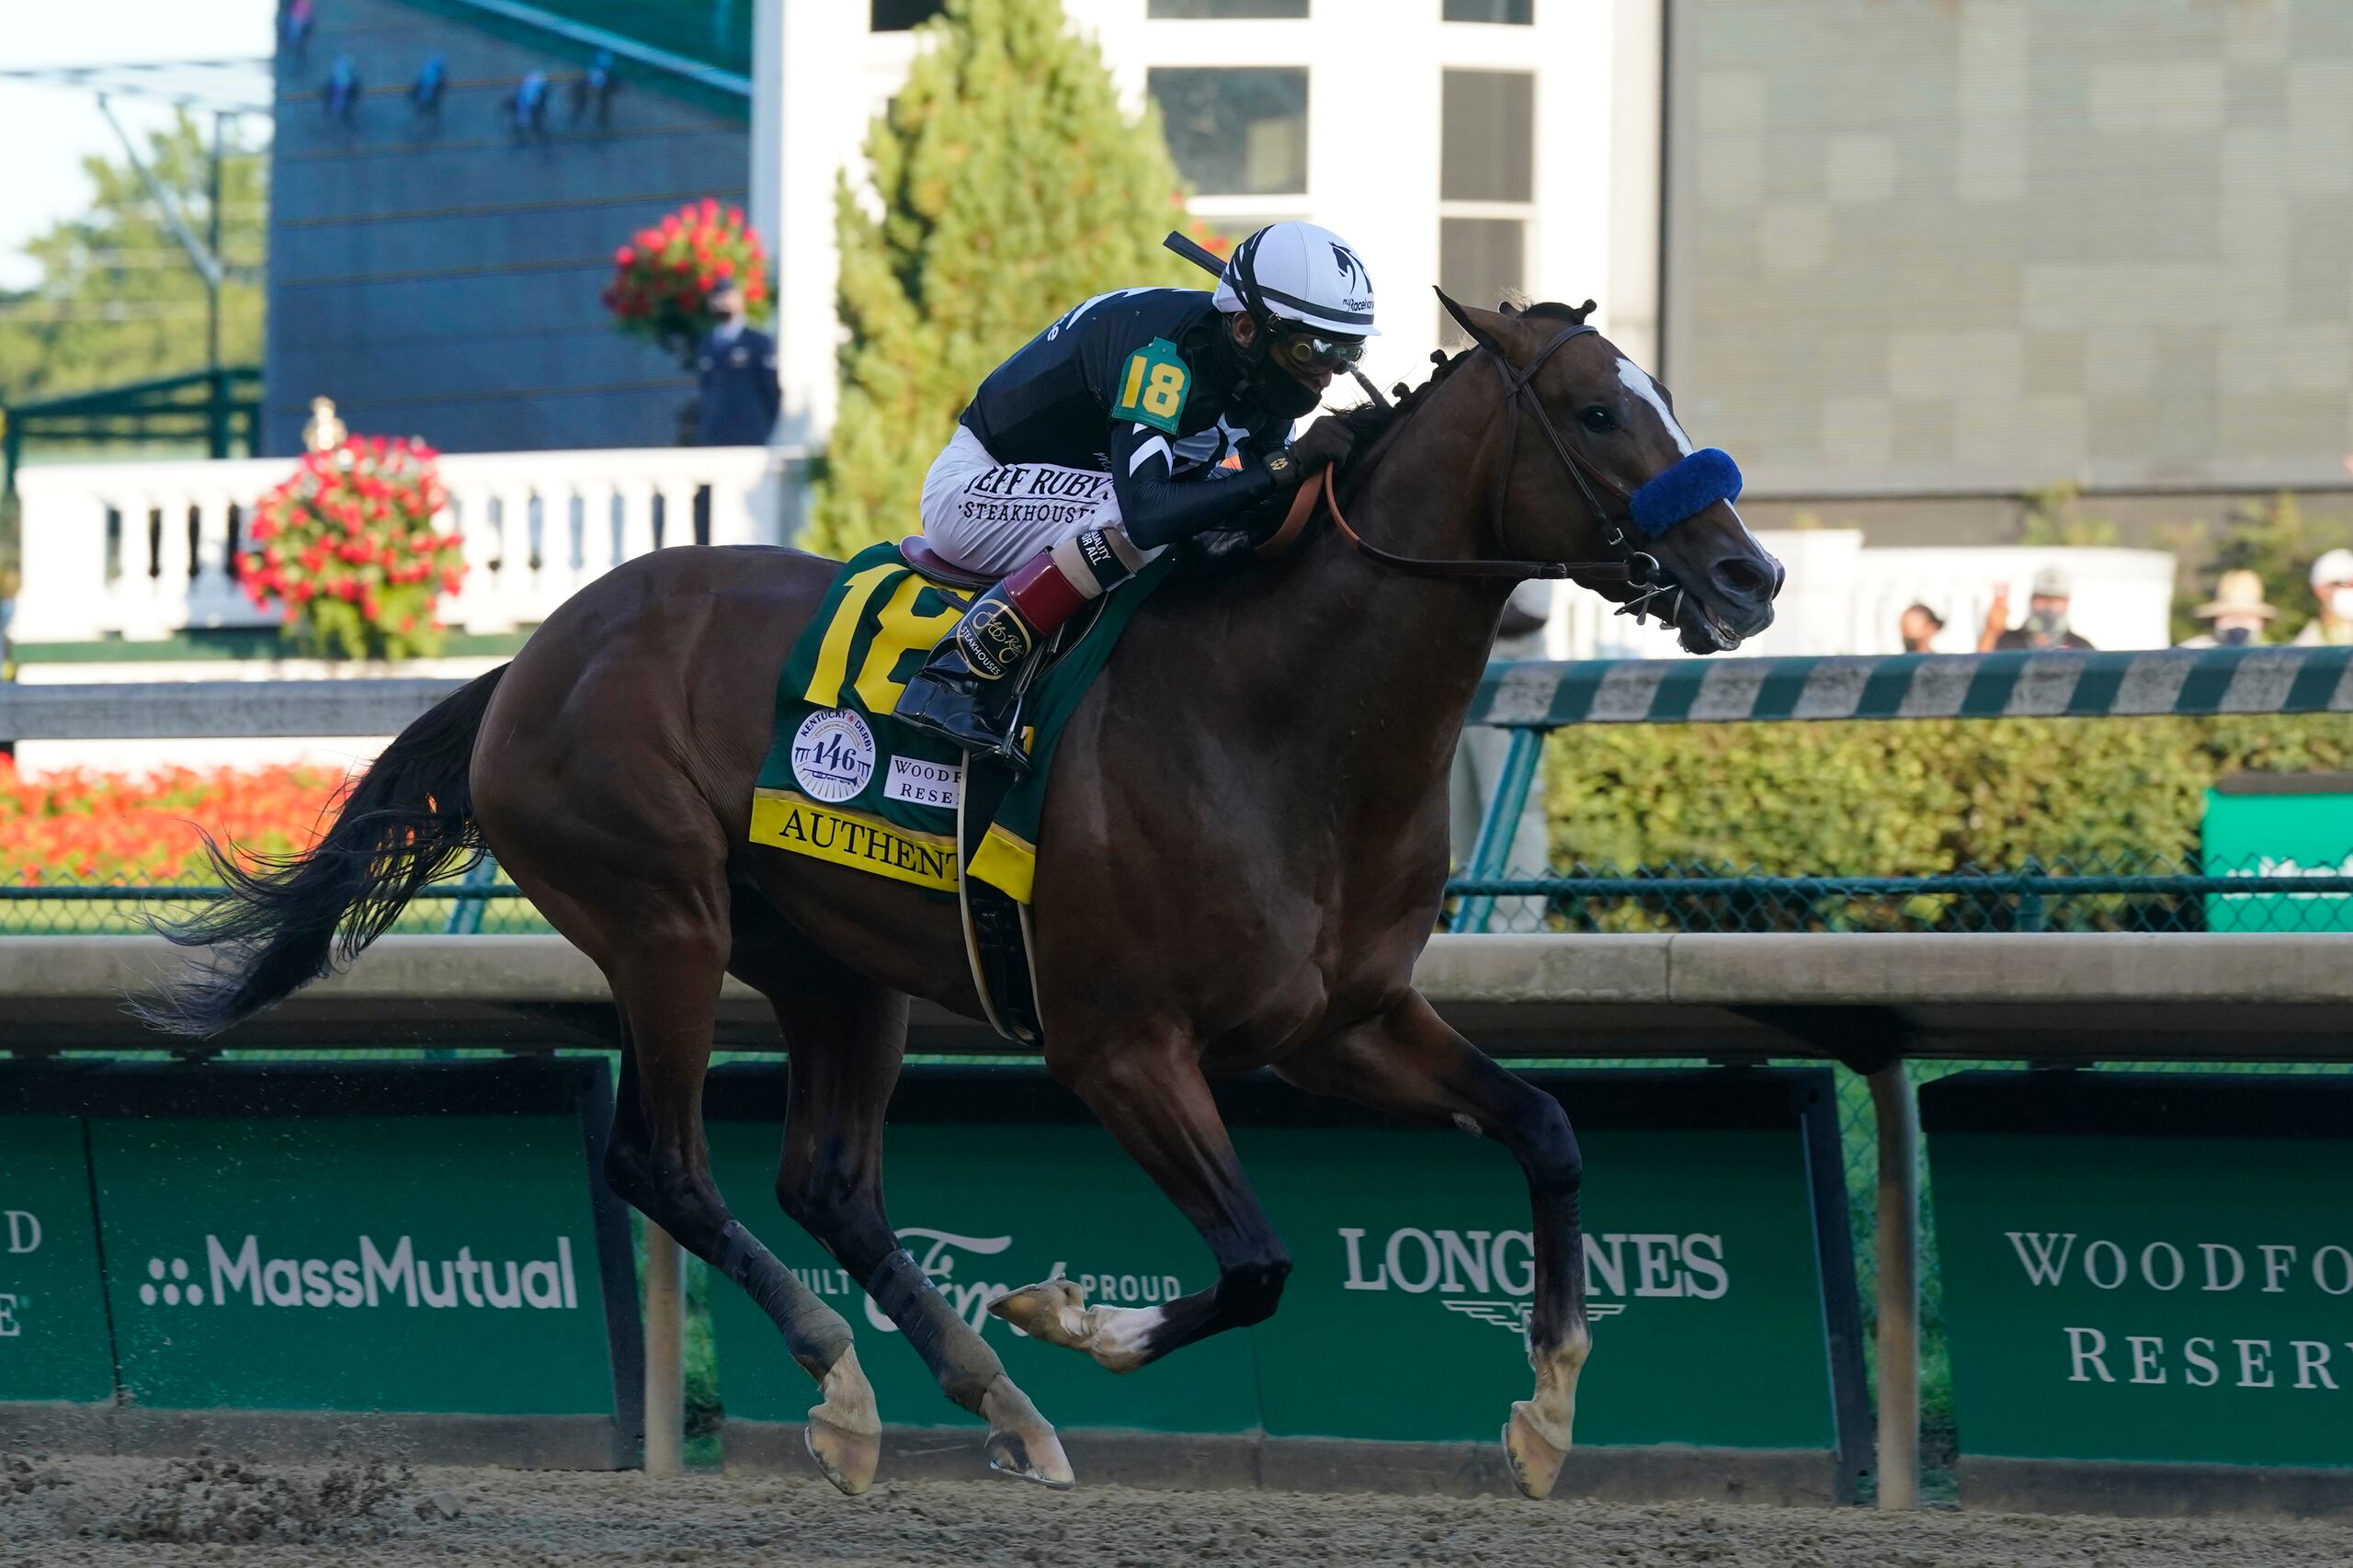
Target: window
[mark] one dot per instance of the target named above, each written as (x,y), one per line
(898,15)
(1224,11)
(1479,261)
(1237,132)
(1487,136)
(1487,187)
(1519,13)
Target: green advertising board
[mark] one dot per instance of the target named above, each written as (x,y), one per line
(2146,1268)
(400,1240)
(1717,1227)
(2279,825)
(53,1315)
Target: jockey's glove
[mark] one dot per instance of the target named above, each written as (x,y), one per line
(1327,441)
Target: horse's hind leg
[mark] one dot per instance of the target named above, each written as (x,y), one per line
(846,1036)
(658,1160)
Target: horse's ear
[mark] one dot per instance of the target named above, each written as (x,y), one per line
(1483,333)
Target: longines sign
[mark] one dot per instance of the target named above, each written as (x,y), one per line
(2147,1266)
(1718,1221)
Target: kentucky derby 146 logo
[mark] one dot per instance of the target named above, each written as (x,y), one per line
(833,755)
(1490,1276)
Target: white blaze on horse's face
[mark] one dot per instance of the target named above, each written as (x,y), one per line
(1636,379)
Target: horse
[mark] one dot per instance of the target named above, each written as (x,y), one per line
(1244,849)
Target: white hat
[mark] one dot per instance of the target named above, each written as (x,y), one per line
(1300,272)
(2333,566)
(2053,583)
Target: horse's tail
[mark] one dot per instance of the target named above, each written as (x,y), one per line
(405,822)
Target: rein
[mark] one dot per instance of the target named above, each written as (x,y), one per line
(1638,568)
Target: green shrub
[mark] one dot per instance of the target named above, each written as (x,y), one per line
(1909,797)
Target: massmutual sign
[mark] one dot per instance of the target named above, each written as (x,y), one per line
(2117,1292)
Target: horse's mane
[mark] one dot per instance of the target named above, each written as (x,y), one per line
(1369,421)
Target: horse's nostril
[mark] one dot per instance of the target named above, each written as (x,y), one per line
(1742,579)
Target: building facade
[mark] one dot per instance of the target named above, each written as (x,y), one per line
(1486,146)
(438,270)
(1921,247)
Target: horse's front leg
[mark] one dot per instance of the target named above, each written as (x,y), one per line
(1149,1093)
(1409,1064)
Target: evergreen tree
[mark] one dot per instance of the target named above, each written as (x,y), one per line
(1011,188)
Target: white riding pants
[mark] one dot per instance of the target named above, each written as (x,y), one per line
(987,516)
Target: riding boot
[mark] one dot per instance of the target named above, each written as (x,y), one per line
(970,690)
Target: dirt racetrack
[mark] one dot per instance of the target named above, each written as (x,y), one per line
(81,1513)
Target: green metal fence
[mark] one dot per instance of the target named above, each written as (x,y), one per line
(2122,893)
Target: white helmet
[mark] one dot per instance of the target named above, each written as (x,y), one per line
(1300,272)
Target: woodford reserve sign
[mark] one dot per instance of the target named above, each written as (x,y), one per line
(2147,1267)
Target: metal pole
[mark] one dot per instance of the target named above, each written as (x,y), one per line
(216,390)
(1897,1116)
(1491,854)
(666,1356)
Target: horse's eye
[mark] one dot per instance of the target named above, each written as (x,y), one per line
(1598,419)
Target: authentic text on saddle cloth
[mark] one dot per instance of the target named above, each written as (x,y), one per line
(845,782)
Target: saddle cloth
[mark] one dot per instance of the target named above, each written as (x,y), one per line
(846,782)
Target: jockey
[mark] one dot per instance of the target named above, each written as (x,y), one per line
(1142,418)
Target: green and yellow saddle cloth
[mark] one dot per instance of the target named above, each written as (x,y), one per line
(845,781)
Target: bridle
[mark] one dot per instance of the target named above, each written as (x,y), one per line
(1638,568)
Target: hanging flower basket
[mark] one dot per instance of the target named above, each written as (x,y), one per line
(664,278)
(347,546)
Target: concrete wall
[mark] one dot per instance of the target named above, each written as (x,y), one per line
(442,278)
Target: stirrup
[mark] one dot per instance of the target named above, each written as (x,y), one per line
(936,708)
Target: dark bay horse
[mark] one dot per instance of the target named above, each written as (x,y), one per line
(1246,843)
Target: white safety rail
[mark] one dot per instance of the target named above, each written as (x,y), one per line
(142,552)
(1844,599)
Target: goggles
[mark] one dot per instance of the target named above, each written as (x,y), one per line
(1310,352)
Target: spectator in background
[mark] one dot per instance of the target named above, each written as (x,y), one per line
(2238,612)
(299,19)
(2332,582)
(736,368)
(1918,628)
(2045,626)
(1479,762)
(432,81)
(595,90)
(527,110)
(343,90)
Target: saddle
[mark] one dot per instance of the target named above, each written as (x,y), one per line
(918,554)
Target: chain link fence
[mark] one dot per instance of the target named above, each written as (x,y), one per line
(2123,891)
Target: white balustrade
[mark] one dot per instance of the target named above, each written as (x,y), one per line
(1842,597)
(166,574)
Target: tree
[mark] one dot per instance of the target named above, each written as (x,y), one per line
(119,300)
(1011,187)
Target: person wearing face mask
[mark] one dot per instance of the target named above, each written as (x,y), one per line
(2332,581)
(735,368)
(2238,612)
(1138,420)
(2045,626)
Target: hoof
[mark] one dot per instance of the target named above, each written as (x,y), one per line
(845,1431)
(848,1459)
(1021,1442)
(1054,1311)
(1035,1456)
(1535,1461)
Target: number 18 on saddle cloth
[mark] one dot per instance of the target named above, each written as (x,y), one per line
(848,783)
